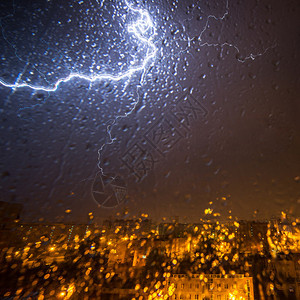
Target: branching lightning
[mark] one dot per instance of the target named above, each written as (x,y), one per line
(198,39)
(143,29)
(250,56)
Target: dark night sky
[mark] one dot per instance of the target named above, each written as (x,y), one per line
(240,140)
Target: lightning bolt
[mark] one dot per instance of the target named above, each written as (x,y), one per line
(201,44)
(199,39)
(143,29)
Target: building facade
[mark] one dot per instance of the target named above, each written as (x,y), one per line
(209,287)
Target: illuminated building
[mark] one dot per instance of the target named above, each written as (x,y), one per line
(118,253)
(180,246)
(123,227)
(141,252)
(208,287)
(252,236)
(287,270)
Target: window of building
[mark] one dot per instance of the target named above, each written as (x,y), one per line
(226,286)
(182,285)
(196,297)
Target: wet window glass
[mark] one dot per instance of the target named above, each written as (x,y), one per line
(149,149)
